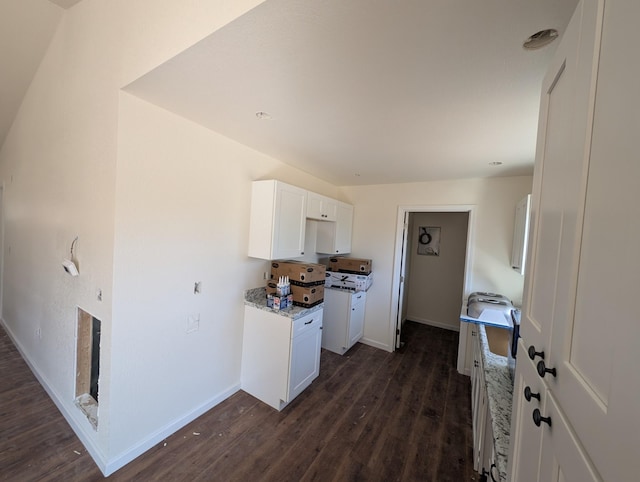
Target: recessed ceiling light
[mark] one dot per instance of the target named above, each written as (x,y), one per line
(540,39)
(263,115)
(495,163)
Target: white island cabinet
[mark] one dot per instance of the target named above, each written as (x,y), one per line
(280,354)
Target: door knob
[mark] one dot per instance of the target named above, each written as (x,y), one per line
(543,370)
(533,353)
(538,418)
(528,394)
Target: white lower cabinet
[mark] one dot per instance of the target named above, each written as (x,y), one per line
(280,355)
(343,319)
(481,416)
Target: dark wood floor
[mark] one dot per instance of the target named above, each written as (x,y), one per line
(370,416)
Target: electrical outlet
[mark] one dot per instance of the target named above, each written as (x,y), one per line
(193,322)
(265,275)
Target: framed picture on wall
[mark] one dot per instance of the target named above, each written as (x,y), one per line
(429,240)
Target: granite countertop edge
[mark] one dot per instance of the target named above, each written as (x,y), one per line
(257,298)
(500,395)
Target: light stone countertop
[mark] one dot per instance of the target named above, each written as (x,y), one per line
(257,298)
(500,396)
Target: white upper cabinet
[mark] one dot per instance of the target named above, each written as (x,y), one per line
(321,207)
(335,237)
(520,235)
(278,220)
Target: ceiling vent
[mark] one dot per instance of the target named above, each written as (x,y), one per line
(540,39)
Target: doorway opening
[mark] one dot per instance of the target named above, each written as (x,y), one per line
(404,242)
(88,365)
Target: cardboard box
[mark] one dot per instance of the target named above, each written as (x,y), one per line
(306,296)
(343,264)
(349,281)
(299,273)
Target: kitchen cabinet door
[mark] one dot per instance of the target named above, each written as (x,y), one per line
(335,238)
(321,207)
(520,235)
(305,358)
(356,317)
(278,220)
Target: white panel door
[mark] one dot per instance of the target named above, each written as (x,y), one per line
(551,210)
(597,385)
(526,439)
(563,459)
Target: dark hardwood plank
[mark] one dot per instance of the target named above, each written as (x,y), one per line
(369,416)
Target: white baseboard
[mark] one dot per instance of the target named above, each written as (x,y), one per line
(127,456)
(109,466)
(92,448)
(437,324)
(376,344)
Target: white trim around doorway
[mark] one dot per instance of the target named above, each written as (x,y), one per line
(397,260)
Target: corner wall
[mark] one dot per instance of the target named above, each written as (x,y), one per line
(156,202)
(436,283)
(374,236)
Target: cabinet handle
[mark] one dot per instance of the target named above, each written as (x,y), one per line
(528,394)
(308,322)
(543,370)
(538,419)
(533,353)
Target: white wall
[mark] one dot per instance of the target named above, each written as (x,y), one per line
(436,283)
(374,236)
(157,203)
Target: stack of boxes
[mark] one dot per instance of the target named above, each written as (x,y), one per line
(306,281)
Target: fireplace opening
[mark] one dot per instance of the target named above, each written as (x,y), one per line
(88,366)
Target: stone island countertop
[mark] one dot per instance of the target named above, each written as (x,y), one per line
(500,396)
